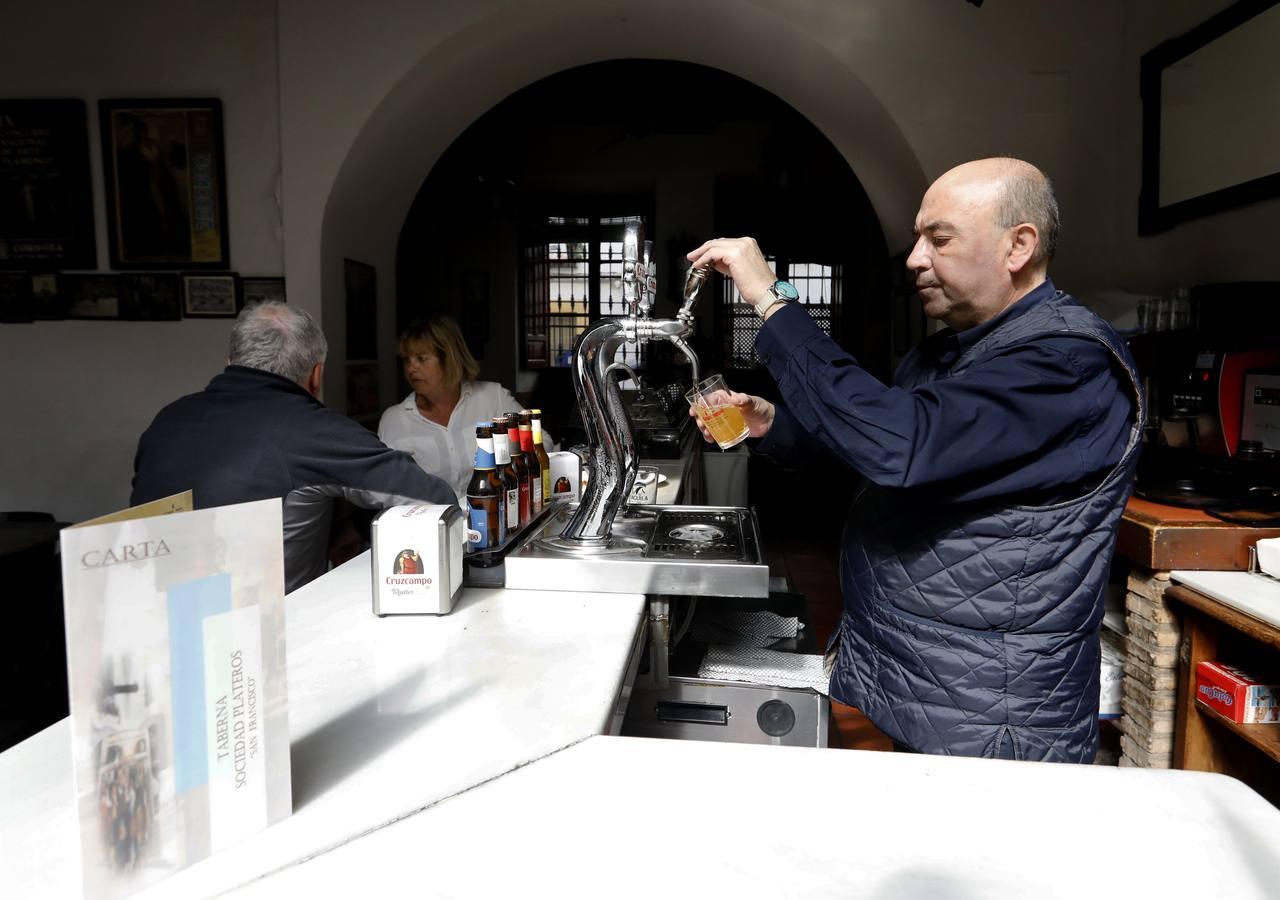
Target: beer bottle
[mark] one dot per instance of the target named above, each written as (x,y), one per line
(510,481)
(519,463)
(531,460)
(484,493)
(543,460)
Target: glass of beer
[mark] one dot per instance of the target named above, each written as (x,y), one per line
(710,402)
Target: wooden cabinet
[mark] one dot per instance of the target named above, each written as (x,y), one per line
(1204,740)
(1161,538)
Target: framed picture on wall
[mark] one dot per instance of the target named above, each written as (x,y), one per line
(151,298)
(260,290)
(165,183)
(92,296)
(15,297)
(362,309)
(46,197)
(210,296)
(47,298)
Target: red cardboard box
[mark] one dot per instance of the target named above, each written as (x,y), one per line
(1236,694)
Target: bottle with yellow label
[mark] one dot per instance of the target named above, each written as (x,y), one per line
(536,425)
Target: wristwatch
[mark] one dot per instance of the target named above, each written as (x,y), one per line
(781,292)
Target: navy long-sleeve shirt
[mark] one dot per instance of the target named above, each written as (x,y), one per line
(1035,420)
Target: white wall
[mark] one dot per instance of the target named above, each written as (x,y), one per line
(366,96)
(76,395)
(903,88)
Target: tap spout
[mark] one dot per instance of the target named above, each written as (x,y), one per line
(679,343)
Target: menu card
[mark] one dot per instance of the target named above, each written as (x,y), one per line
(179,713)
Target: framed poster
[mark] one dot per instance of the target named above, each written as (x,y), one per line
(47,299)
(151,298)
(165,183)
(46,198)
(92,296)
(210,296)
(362,309)
(15,297)
(261,290)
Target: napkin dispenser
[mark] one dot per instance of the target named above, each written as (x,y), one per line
(417,559)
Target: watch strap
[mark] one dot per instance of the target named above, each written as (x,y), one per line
(764,312)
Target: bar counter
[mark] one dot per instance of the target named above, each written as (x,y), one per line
(386,717)
(630,817)
(462,756)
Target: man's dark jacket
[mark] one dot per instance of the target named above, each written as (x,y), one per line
(971,628)
(252,435)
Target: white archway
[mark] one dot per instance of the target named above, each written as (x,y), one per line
(471,71)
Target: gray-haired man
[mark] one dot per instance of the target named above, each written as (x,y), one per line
(259,430)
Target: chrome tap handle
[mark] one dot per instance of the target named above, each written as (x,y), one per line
(650,280)
(634,277)
(694,279)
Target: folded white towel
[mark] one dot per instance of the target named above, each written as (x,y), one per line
(755,665)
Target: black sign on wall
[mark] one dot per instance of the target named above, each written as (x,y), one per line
(46,199)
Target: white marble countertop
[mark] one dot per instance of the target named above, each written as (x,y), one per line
(1254,595)
(628,817)
(387,717)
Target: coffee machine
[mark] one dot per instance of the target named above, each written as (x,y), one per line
(1212,435)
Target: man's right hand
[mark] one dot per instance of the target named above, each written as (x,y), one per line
(757,411)
(741,260)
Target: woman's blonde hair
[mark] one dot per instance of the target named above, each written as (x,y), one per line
(441,335)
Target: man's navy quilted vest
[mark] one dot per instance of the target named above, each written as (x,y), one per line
(972,629)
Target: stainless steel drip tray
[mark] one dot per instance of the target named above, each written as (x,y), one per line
(701,551)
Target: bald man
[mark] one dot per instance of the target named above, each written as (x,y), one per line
(995,469)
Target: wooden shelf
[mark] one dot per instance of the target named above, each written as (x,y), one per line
(1266,737)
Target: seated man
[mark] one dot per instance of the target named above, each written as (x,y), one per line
(259,430)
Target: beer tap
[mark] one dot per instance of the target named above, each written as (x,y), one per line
(611,447)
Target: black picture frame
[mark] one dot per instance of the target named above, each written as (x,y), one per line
(48,296)
(361,281)
(151,297)
(15,298)
(165,175)
(262,288)
(210,295)
(92,296)
(1152,217)
(46,195)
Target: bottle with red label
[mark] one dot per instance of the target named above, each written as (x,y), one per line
(519,463)
(531,460)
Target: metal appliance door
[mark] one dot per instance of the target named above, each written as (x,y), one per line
(706,710)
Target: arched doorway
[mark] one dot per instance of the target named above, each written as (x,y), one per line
(552,165)
(487,60)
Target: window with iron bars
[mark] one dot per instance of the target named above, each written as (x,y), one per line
(819,286)
(570,278)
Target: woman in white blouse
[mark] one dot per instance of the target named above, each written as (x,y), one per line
(436,423)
